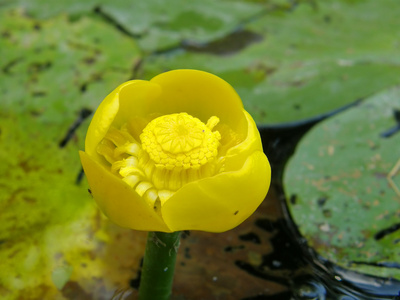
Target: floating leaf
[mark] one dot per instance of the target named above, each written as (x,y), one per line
(164,26)
(311,60)
(52,236)
(340,197)
(158,25)
(58,66)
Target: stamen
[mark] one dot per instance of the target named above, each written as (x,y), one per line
(118,137)
(105,148)
(151,196)
(131,171)
(175,150)
(212,122)
(131,161)
(131,180)
(129,148)
(143,187)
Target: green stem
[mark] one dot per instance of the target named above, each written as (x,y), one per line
(159,265)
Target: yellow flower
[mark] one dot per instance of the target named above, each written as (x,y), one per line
(177,152)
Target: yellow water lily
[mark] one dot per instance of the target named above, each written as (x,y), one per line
(178,152)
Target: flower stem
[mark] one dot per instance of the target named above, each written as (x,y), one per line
(159,265)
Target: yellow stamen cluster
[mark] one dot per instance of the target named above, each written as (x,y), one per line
(174,150)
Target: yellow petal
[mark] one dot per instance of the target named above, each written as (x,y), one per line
(235,156)
(134,100)
(222,202)
(101,121)
(118,201)
(213,204)
(199,94)
(113,111)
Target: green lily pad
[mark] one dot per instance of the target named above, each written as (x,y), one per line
(157,25)
(308,61)
(340,197)
(164,26)
(52,236)
(57,66)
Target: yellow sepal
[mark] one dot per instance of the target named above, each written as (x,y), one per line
(118,201)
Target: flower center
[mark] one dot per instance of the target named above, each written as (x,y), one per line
(174,150)
(180,141)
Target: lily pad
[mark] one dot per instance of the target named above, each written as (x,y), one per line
(164,26)
(52,236)
(57,66)
(305,61)
(157,25)
(338,188)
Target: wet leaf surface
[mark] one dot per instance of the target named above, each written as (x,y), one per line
(341,198)
(304,62)
(57,67)
(156,25)
(51,232)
